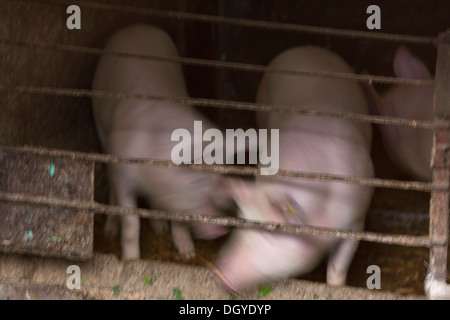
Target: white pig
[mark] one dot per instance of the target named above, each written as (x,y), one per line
(409,148)
(310,144)
(143,129)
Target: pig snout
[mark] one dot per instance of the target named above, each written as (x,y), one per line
(255,257)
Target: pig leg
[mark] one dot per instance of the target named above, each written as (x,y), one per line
(125,197)
(130,237)
(182,239)
(339,261)
(112,224)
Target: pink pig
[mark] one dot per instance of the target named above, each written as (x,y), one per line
(409,148)
(310,144)
(143,129)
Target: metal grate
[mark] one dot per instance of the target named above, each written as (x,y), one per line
(437,240)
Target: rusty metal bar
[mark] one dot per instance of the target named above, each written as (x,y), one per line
(404,240)
(441,174)
(235,105)
(181,40)
(248,23)
(237,170)
(218,64)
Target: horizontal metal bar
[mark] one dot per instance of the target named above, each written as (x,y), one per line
(225,104)
(227,169)
(218,64)
(248,23)
(404,240)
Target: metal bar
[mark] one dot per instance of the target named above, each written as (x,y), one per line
(439,201)
(227,169)
(182,27)
(404,240)
(218,64)
(249,23)
(224,104)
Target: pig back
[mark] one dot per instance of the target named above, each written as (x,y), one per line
(313,93)
(140,76)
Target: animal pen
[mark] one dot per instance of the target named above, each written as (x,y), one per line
(52,171)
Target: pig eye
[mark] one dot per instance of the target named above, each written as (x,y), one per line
(292,211)
(287,209)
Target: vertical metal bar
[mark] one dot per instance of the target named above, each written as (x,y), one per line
(439,214)
(182,5)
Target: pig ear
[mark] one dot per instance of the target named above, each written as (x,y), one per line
(406,65)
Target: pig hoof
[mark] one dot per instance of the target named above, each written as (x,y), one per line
(130,247)
(130,254)
(159,226)
(188,254)
(336,280)
(112,227)
(187,251)
(185,247)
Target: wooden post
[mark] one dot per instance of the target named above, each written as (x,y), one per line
(435,286)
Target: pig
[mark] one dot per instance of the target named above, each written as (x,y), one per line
(311,144)
(408,148)
(143,129)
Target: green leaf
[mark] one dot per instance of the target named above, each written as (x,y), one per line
(264,290)
(116,290)
(177,294)
(149,281)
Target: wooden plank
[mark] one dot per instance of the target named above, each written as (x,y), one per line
(42,229)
